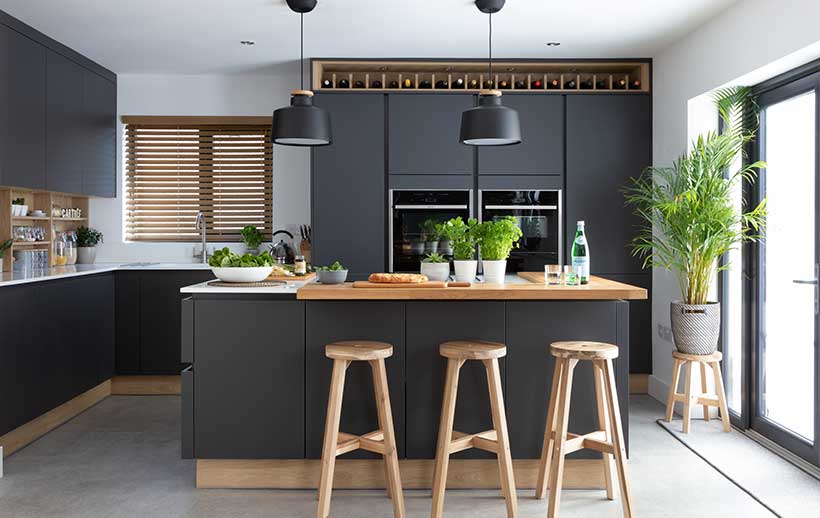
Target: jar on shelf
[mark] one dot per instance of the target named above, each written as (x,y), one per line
(300,265)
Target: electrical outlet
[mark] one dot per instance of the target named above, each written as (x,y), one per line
(665,333)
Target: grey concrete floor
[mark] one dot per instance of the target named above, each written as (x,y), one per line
(121,459)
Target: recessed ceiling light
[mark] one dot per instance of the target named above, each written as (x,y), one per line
(248,42)
(553,44)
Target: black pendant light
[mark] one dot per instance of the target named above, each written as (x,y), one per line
(301,123)
(490,123)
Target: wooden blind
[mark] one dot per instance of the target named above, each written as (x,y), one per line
(174,172)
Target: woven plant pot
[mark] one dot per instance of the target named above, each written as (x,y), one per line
(696,327)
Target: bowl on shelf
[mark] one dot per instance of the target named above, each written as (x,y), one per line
(331,276)
(238,274)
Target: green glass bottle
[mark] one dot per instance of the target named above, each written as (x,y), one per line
(580,253)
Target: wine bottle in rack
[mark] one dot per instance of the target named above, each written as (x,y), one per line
(587,84)
(600,84)
(327,83)
(459,83)
(442,84)
(635,84)
(426,84)
(375,84)
(570,84)
(407,83)
(394,84)
(343,83)
(553,84)
(358,84)
(489,84)
(474,84)
(537,85)
(520,85)
(503,85)
(619,84)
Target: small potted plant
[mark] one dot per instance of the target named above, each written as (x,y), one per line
(3,247)
(87,241)
(463,238)
(333,274)
(496,239)
(252,239)
(436,267)
(19,207)
(428,229)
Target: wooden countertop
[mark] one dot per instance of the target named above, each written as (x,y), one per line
(597,289)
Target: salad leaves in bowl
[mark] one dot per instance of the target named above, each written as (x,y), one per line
(230,267)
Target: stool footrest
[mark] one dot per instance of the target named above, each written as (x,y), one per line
(591,441)
(487,441)
(707,400)
(372,441)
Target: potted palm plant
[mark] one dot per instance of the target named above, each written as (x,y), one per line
(496,240)
(689,220)
(87,241)
(463,239)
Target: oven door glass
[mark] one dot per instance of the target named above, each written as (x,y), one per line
(540,241)
(414,235)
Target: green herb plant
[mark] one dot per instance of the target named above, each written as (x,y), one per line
(251,237)
(497,238)
(434,258)
(18,201)
(430,230)
(5,246)
(688,218)
(462,236)
(88,237)
(226,259)
(335,267)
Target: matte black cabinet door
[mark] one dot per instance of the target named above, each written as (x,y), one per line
(424,134)
(160,318)
(348,186)
(428,325)
(23,112)
(333,321)
(65,123)
(609,140)
(249,379)
(100,325)
(100,134)
(20,355)
(541,151)
(640,324)
(128,328)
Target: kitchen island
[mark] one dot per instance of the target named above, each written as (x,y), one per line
(255,397)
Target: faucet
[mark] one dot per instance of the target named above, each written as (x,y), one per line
(200,225)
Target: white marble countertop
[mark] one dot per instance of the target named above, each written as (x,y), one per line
(22,277)
(286,288)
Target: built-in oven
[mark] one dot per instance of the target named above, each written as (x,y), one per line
(414,215)
(539,217)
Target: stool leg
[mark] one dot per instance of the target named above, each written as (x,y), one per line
(704,389)
(445,435)
(721,394)
(391,454)
(505,466)
(557,464)
(605,425)
(687,394)
(334,414)
(618,445)
(673,389)
(546,449)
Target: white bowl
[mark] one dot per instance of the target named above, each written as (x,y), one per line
(237,274)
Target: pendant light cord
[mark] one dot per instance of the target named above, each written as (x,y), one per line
(302,51)
(491,50)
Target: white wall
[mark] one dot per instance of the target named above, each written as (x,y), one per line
(751,41)
(205,95)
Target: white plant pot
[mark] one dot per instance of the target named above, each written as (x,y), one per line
(86,254)
(494,271)
(436,271)
(465,270)
(23,210)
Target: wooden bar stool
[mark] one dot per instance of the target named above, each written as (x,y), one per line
(495,441)
(382,441)
(609,440)
(704,399)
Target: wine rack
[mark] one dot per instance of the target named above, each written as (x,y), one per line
(471,76)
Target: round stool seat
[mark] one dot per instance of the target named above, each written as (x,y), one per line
(584,350)
(472,350)
(703,358)
(355,350)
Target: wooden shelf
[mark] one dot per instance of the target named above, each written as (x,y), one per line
(29,244)
(529,76)
(58,220)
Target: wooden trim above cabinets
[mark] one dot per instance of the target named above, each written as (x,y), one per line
(174,120)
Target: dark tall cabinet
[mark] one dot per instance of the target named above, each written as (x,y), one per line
(348,186)
(64,124)
(99,133)
(22,111)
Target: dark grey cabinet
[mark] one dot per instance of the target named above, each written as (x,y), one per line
(100,135)
(365,320)
(541,151)
(348,186)
(423,134)
(65,144)
(609,140)
(249,379)
(23,112)
(640,323)
(428,325)
(148,319)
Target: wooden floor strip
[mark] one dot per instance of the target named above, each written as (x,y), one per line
(639,383)
(146,385)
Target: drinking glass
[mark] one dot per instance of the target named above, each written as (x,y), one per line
(60,256)
(571,277)
(552,274)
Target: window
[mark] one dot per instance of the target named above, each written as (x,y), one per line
(177,167)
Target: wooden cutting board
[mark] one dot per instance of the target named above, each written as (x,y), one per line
(428,284)
(537,277)
(292,279)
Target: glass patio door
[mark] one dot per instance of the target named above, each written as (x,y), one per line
(785,389)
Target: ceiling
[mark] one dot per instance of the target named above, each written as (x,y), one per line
(203,36)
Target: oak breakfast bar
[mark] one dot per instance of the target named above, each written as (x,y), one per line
(255,397)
